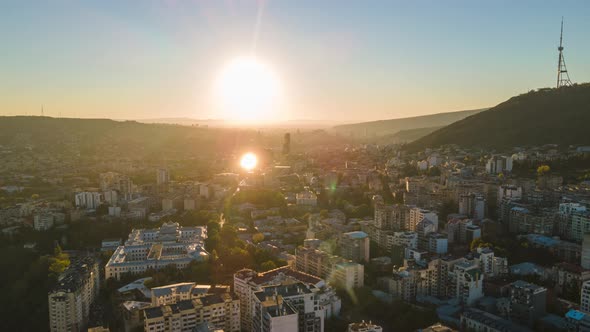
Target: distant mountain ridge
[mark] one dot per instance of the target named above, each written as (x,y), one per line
(545,116)
(392,126)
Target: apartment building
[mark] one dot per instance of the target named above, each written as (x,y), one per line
(69,301)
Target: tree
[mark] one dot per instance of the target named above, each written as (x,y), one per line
(59,262)
(267,266)
(257,238)
(543,169)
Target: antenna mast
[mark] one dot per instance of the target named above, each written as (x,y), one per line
(563,78)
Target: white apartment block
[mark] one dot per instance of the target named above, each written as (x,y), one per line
(271,313)
(247,282)
(418,214)
(499,164)
(88,199)
(468,282)
(349,275)
(43,221)
(70,300)
(403,239)
(157,248)
(298,296)
(173,293)
(306,198)
(324,265)
(222,310)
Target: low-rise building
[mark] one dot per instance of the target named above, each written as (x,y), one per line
(157,248)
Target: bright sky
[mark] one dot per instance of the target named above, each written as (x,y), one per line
(339,60)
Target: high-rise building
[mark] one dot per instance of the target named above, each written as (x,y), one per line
(472,205)
(162,176)
(89,199)
(287,144)
(355,246)
(499,164)
(70,300)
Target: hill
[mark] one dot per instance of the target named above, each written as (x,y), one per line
(402,136)
(545,116)
(117,138)
(388,127)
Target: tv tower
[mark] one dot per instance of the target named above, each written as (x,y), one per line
(563,79)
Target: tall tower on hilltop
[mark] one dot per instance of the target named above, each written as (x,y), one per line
(563,79)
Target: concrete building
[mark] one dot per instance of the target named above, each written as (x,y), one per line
(418,214)
(499,164)
(472,232)
(468,281)
(296,288)
(298,296)
(70,299)
(273,314)
(586,251)
(88,199)
(472,205)
(324,265)
(355,246)
(43,221)
(364,327)
(349,275)
(437,243)
(158,248)
(403,240)
(162,176)
(222,310)
(585,297)
(306,198)
(481,321)
(527,302)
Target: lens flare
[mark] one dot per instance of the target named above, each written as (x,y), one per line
(248,161)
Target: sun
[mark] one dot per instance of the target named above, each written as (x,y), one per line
(248,161)
(248,90)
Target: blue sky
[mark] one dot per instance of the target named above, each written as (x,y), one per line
(340,60)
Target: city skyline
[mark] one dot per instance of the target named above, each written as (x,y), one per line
(161,59)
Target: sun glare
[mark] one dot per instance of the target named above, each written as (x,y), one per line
(248,161)
(248,91)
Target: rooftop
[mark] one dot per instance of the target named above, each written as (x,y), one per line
(356,235)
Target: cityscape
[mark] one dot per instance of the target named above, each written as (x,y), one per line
(280,204)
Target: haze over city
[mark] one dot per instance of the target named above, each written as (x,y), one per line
(339,61)
(294,166)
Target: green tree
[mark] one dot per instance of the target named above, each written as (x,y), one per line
(543,169)
(267,266)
